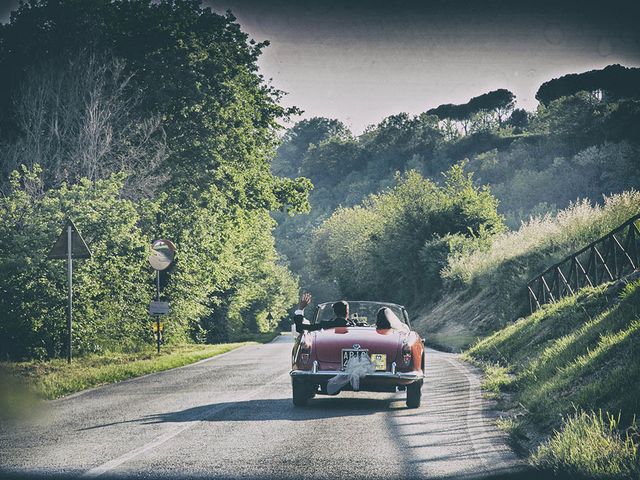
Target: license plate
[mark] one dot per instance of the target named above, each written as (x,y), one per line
(348,354)
(379,360)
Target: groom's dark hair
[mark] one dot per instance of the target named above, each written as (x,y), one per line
(340,309)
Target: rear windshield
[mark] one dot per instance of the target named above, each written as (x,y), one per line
(361,312)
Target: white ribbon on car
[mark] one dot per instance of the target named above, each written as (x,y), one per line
(355,369)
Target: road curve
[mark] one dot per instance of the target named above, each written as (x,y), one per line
(232,417)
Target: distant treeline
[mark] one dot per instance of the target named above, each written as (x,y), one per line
(139,120)
(615,82)
(581,142)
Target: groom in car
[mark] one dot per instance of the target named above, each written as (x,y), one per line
(340,310)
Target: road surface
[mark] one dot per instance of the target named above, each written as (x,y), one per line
(232,417)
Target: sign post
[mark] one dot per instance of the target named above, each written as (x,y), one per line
(70,288)
(69,245)
(160,258)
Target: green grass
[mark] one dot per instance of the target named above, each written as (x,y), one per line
(56,378)
(542,240)
(591,445)
(578,355)
(496,379)
(488,280)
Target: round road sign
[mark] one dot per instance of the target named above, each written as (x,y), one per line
(162,254)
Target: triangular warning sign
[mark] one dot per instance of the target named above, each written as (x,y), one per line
(79,248)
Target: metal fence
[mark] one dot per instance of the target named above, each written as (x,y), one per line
(608,258)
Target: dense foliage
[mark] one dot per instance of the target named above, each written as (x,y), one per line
(111,294)
(394,245)
(582,145)
(160,103)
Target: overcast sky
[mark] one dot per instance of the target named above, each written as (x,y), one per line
(360,61)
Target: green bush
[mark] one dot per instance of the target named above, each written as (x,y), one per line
(111,290)
(393,245)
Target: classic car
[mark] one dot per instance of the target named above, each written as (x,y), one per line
(396,354)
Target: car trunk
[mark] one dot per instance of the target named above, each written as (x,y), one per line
(328,344)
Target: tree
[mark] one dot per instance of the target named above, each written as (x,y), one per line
(76,119)
(500,102)
(328,162)
(615,81)
(457,113)
(400,138)
(297,140)
(195,72)
(519,120)
(497,103)
(573,122)
(195,68)
(377,248)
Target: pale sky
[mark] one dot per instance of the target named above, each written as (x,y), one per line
(362,60)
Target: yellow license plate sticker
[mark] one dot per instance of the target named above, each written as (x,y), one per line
(379,360)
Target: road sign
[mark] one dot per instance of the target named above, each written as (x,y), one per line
(79,248)
(155,326)
(158,308)
(162,254)
(69,245)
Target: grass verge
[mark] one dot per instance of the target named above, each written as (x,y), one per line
(56,378)
(590,445)
(561,364)
(486,283)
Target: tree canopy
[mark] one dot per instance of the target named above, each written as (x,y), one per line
(576,146)
(162,94)
(498,102)
(615,81)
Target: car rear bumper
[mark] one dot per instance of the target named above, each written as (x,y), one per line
(397,378)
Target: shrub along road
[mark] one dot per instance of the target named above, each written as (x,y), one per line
(232,416)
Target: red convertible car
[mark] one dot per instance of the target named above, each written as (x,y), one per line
(394,357)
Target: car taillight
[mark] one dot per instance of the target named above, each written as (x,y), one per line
(406,354)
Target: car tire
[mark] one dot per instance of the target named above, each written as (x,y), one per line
(312,391)
(414,394)
(300,392)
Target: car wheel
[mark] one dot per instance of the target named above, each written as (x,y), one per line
(414,394)
(300,392)
(311,392)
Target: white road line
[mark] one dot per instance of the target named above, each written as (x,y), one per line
(116,462)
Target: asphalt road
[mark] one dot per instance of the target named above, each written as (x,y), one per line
(232,417)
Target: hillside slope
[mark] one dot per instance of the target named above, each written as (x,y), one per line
(485,285)
(563,362)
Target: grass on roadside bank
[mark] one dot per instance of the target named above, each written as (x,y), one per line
(56,378)
(486,282)
(591,445)
(561,364)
